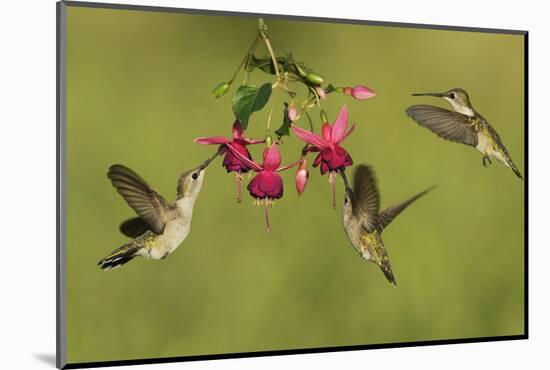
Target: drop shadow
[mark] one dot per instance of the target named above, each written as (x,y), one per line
(47,358)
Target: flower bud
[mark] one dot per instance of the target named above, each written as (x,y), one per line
(220,90)
(292,113)
(314,78)
(362,93)
(321,92)
(359,92)
(302,176)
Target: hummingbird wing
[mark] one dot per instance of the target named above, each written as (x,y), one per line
(449,125)
(366,200)
(134,227)
(146,202)
(389,214)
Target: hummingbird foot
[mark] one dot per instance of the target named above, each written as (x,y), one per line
(486,160)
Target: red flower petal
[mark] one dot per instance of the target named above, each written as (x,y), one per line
(272,158)
(348,162)
(266,184)
(212,140)
(238,132)
(271,184)
(324,168)
(248,141)
(234,164)
(325,131)
(340,125)
(309,137)
(327,155)
(254,188)
(317,160)
(248,162)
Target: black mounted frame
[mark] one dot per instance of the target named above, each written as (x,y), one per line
(61,186)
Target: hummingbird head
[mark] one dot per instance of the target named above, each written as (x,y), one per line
(190,182)
(347,209)
(457,97)
(349,199)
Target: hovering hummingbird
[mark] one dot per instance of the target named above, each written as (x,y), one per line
(363,220)
(161,227)
(463,125)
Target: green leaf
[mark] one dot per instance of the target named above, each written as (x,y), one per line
(330,88)
(285,64)
(249,99)
(265,64)
(292,94)
(284,130)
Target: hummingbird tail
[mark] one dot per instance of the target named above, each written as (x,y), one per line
(386,269)
(514,168)
(503,156)
(385,266)
(119,257)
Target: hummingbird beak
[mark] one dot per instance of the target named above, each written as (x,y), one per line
(207,162)
(438,95)
(346,183)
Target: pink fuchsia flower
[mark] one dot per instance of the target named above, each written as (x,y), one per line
(359,92)
(332,157)
(267,185)
(302,177)
(239,142)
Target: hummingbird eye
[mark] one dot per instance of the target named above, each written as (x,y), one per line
(195,175)
(452,95)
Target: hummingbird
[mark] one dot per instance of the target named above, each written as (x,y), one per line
(363,220)
(462,125)
(161,227)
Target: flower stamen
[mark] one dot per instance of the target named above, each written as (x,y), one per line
(239,179)
(267,215)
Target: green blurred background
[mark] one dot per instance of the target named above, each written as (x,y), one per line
(138,94)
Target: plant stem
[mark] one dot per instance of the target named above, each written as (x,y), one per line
(261,25)
(246,58)
(273,101)
(324,117)
(271,52)
(317,99)
(310,121)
